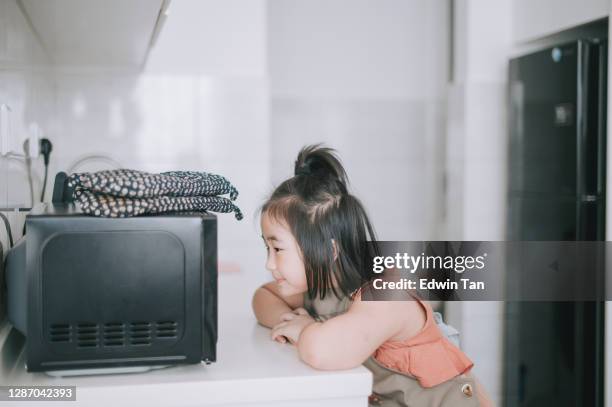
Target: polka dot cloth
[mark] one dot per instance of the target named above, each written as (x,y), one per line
(122,193)
(132,183)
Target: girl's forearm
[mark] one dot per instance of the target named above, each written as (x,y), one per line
(268,307)
(322,348)
(308,347)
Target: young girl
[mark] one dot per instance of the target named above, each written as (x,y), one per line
(314,231)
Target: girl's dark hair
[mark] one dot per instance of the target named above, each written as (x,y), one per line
(318,208)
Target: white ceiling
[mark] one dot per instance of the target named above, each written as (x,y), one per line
(100,33)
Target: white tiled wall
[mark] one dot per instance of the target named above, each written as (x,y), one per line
(26,88)
(366,78)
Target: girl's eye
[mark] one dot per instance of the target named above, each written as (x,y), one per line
(276,249)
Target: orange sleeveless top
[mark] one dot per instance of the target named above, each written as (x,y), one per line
(428,356)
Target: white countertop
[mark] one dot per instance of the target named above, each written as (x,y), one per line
(251,369)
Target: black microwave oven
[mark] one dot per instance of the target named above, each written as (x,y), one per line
(96,293)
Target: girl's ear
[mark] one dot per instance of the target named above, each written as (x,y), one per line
(335,247)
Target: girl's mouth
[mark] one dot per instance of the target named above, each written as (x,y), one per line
(280,280)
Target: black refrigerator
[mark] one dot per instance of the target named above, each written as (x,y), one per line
(553,352)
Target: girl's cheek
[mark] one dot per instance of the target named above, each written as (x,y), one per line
(298,282)
(301,282)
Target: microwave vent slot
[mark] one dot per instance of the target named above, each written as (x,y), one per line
(87,335)
(166,329)
(114,334)
(140,333)
(60,332)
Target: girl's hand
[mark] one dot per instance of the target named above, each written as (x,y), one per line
(291,326)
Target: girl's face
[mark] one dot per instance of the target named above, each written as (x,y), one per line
(284,257)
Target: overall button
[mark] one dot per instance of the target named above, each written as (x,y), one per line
(466,389)
(373,399)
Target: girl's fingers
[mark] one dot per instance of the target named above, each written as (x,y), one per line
(280,325)
(277,332)
(288,316)
(300,311)
(280,338)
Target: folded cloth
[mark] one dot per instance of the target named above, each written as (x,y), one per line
(140,184)
(124,193)
(120,207)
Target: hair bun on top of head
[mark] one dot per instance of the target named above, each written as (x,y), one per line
(320,161)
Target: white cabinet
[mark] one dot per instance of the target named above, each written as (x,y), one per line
(109,33)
